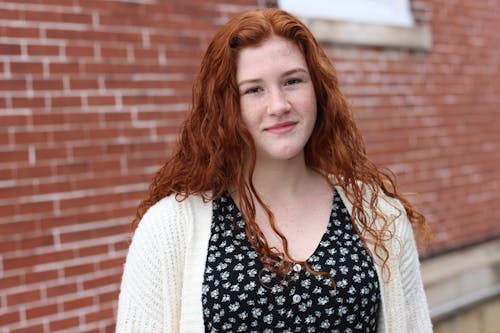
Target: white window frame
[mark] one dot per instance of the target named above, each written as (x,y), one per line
(383,12)
(386,23)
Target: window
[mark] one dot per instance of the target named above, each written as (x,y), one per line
(387,12)
(387,23)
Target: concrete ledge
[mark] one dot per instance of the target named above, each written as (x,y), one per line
(416,38)
(464,303)
(460,280)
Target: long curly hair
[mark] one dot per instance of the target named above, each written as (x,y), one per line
(215,146)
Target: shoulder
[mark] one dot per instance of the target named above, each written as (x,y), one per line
(390,210)
(171,217)
(152,277)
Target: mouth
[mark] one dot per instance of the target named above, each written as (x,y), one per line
(281,128)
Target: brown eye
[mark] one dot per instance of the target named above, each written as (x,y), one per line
(252,90)
(292,81)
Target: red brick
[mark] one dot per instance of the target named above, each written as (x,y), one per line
(99,315)
(123,245)
(47,84)
(58,102)
(28,102)
(8,14)
(51,153)
(141,100)
(46,16)
(110,328)
(43,50)
(5,140)
(112,263)
(61,324)
(92,250)
(73,168)
(36,242)
(25,261)
(10,317)
(79,270)
(13,120)
(101,100)
(31,137)
(77,84)
(59,290)
(6,174)
(109,165)
(23,297)
(7,210)
(3,103)
(51,222)
(93,35)
(70,135)
(33,172)
(108,296)
(64,68)
(20,32)
(89,234)
(105,133)
(11,281)
(36,207)
(29,329)
(13,85)
(55,187)
(43,276)
(88,151)
(78,303)
(113,52)
(10,49)
(15,228)
(14,156)
(117,117)
(79,51)
(147,54)
(41,311)
(102,281)
(26,67)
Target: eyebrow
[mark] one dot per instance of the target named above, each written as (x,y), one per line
(292,71)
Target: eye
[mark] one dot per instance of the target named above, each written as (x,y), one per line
(252,90)
(292,81)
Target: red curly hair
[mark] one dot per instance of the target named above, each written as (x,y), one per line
(215,146)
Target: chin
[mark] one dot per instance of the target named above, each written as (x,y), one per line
(283,154)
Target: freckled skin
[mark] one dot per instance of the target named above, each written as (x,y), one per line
(277,98)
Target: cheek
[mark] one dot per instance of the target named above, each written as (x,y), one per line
(249,114)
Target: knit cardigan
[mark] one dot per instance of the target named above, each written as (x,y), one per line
(162,280)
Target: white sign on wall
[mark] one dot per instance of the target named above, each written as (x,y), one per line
(385,12)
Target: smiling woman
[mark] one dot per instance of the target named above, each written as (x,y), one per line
(278,104)
(269,216)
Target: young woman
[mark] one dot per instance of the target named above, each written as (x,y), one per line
(269,217)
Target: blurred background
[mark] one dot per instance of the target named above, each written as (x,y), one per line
(92,93)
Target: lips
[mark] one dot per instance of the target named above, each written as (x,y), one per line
(283,127)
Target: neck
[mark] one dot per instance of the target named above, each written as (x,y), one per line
(277,180)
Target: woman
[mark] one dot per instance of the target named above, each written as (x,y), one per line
(269,217)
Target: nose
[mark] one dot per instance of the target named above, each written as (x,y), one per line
(278,102)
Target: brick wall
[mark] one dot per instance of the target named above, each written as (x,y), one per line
(434,119)
(93,92)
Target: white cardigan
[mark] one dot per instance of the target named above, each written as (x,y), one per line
(161,283)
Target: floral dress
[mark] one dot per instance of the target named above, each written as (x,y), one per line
(239,296)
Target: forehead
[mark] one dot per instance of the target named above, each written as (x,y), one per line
(272,56)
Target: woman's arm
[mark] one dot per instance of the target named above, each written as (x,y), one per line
(150,291)
(416,308)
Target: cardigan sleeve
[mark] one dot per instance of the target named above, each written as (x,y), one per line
(150,291)
(416,308)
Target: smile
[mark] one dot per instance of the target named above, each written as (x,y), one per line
(281,128)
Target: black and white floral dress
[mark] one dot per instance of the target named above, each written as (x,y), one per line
(236,300)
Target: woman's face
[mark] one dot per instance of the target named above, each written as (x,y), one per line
(277,99)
